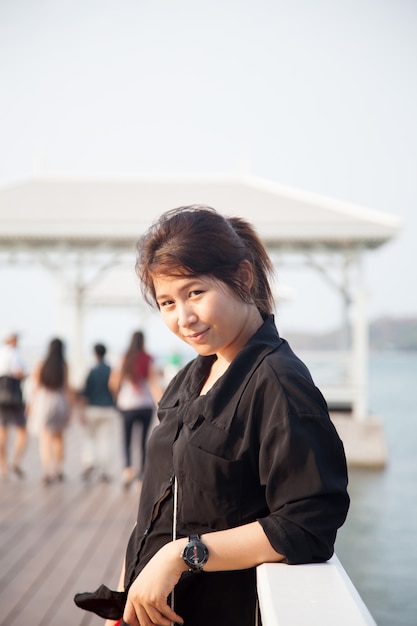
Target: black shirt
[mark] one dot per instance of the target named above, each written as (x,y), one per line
(258,446)
(96,389)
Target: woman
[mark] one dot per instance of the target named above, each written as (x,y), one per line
(245,466)
(49,410)
(137,389)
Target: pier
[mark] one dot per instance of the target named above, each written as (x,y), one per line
(71,536)
(58,540)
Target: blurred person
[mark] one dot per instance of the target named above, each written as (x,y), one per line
(172,366)
(138,390)
(12,409)
(98,416)
(49,410)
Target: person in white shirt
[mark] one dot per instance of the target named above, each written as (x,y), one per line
(137,389)
(12,410)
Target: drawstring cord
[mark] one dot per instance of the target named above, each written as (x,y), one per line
(174,520)
(174,530)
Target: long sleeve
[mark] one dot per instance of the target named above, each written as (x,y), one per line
(302,466)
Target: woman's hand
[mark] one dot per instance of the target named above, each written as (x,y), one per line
(236,548)
(147,598)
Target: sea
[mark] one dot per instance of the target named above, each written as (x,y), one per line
(378,543)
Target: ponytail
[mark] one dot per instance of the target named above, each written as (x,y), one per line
(261,292)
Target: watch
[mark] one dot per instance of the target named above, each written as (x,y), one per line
(195,553)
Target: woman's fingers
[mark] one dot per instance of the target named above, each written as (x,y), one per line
(164,617)
(150,615)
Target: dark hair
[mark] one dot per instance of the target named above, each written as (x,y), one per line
(196,240)
(130,360)
(100,350)
(52,374)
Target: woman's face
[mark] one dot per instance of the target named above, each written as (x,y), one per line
(206,314)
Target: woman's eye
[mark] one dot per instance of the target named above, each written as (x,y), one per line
(196,292)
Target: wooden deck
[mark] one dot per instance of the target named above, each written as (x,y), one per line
(59,540)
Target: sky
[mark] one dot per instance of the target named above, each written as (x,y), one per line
(317,95)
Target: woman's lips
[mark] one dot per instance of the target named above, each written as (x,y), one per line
(195,337)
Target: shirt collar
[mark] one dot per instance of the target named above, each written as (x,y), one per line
(220,403)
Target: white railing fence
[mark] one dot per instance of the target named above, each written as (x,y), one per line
(319,594)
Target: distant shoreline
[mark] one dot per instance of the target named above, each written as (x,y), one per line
(385,334)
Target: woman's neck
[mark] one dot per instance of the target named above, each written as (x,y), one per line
(222,362)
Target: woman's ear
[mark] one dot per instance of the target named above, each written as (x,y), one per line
(246,275)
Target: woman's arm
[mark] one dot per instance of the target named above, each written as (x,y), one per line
(69,391)
(115,380)
(237,548)
(34,384)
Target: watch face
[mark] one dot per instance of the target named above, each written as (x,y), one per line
(195,554)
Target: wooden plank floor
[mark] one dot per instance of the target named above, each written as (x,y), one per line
(58,540)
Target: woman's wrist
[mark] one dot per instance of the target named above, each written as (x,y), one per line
(172,551)
(179,548)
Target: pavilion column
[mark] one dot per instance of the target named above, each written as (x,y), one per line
(78,360)
(360,341)
(70,325)
(71,289)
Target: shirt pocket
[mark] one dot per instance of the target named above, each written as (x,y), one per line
(210,489)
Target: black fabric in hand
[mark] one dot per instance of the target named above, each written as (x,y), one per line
(104,602)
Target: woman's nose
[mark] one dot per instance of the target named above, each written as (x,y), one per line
(186,316)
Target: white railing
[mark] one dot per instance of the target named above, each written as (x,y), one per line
(319,594)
